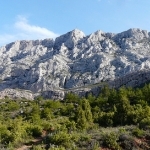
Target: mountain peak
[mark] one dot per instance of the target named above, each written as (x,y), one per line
(134,33)
(77,33)
(69,39)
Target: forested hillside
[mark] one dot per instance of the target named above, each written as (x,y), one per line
(116,120)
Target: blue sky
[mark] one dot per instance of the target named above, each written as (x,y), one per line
(39,19)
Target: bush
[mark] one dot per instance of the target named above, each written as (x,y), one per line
(110,140)
(96,146)
(5,135)
(13,106)
(145,123)
(106,119)
(137,132)
(37,147)
(60,138)
(46,113)
(57,148)
(34,130)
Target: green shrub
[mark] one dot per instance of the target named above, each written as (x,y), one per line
(85,137)
(145,123)
(110,140)
(137,132)
(96,146)
(5,135)
(37,147)
(122,130)
(106,119)
(12,106)
(34,130)
(57,148)
(46,113)
(61,139)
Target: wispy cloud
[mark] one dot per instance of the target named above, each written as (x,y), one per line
(24,30)
(23,25)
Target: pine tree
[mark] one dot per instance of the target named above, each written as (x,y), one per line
(80,118)
(87,109)
(123,107)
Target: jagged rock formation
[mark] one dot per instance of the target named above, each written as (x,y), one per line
(74,62)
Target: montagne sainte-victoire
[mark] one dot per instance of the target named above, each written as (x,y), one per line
(74,62)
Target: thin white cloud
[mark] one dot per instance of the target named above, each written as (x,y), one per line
(23,30)
(23,25)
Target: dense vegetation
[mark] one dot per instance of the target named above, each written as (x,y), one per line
(78,123)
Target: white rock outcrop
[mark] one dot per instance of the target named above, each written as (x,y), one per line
(73,62)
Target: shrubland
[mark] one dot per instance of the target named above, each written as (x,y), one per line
(116,119)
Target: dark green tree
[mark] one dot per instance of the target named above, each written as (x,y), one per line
(122,109)
(80,118)
(87,110)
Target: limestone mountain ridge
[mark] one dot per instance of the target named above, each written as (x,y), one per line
(74,62)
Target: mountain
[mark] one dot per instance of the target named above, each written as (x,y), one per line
(74,62)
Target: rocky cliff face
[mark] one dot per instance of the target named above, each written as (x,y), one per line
(74,62)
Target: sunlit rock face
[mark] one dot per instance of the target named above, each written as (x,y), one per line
(73,61)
